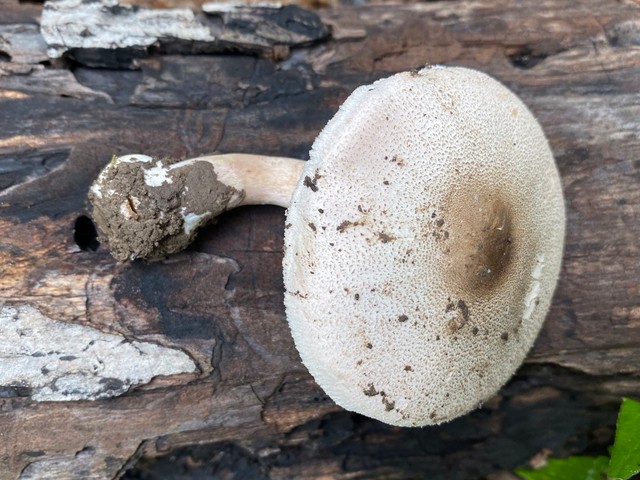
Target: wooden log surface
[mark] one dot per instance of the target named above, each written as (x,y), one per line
(203,377)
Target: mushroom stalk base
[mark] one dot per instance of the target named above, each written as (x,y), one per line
(149,208)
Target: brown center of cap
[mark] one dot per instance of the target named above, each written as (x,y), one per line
(482,240)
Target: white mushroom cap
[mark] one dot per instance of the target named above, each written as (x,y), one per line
(423,245)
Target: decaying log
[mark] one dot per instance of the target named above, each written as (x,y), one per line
(192,367)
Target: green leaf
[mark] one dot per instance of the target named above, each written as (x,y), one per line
(572,468)
(625,453)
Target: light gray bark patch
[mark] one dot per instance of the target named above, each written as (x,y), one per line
(36,79)
(81,466)
(23,43)
(23,54)
(59,361)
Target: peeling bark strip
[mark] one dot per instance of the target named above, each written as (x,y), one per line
(264,26)
(86,29)
(23,55)
(57,361)
(106,24)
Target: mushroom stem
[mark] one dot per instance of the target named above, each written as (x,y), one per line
(264,180)
(148,208)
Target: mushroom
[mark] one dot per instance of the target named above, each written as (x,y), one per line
(423,244)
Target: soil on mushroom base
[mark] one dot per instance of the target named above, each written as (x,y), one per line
(156,213)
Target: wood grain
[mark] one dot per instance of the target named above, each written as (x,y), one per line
(252,410)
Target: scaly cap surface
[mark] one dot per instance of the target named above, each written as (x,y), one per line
(423,245)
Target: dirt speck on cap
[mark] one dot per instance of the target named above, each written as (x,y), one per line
(312,183)
(388,404)
(346,224)
(385,237)
(370,391)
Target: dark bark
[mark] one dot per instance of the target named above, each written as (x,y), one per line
(251,409)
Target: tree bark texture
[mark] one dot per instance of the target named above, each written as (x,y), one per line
(193,371)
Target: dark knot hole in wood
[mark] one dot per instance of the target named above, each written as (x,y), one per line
(85,234)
